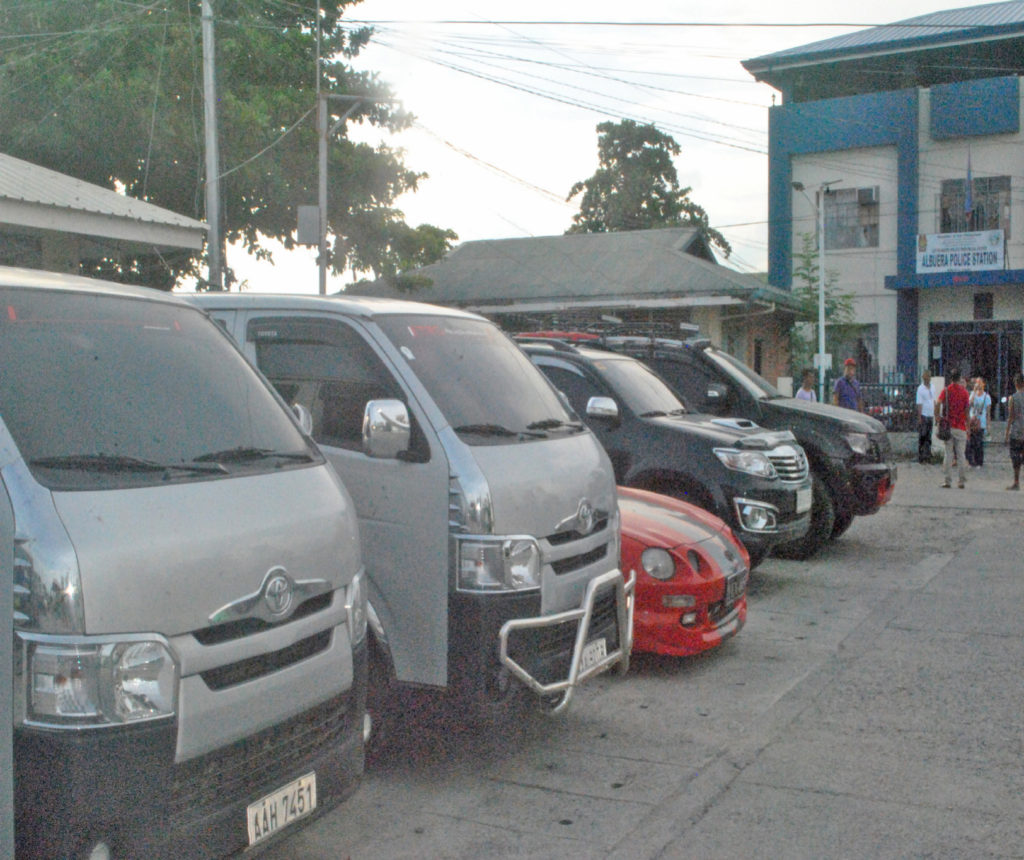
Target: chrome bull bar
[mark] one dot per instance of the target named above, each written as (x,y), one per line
(577,673)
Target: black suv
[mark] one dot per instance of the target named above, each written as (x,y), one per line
(850,454)
(755,480)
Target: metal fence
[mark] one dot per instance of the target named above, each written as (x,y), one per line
(890,395)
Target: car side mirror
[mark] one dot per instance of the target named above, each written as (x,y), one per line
(602,407)
(386,432)
(305,418)
(716,398)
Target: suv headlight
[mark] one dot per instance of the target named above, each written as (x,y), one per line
(751,462)
(90,682)
(497,564)
(859,442)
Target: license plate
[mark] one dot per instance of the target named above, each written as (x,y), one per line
(593,653)
(803,500)
(734,587)
(277,810)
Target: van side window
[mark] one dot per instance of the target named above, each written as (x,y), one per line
(574,385)
(327,367)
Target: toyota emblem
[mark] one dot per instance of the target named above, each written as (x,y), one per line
(278,593)
(585,518)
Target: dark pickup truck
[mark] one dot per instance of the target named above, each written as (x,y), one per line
(850,454)
(755,479)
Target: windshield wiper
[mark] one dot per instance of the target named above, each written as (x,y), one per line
(243,454)
(658,413)
(120,463)
(495,430)
(553,424)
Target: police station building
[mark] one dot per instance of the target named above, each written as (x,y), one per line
(909,137)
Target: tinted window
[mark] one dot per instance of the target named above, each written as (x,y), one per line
(639,387)
(107,390)
(752,382)
(476,375)
(574,385)
(327,367)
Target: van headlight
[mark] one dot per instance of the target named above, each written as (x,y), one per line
(497,564)
(90,682)
(751,462)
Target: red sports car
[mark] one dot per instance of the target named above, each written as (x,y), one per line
(691,574)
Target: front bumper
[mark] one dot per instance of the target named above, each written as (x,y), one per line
(550,655)
(871,486)
(122,786)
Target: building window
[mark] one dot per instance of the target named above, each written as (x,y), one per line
(991,202)
(983,306)
(851,218)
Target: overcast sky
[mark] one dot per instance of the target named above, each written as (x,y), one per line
(507,106)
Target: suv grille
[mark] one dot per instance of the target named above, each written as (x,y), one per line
(790,463)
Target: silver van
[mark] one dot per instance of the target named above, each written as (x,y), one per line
(189,604)
(488,513)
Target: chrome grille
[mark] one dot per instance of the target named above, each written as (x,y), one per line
(789,462)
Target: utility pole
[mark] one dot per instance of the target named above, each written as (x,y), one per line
(214,242)
(325,129)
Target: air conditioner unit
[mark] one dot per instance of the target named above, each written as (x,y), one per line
(867,196)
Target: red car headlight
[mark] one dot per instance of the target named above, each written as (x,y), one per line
(658,563)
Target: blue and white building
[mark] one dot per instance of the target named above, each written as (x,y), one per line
(909,135)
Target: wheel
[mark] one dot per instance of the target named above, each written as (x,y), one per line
(380,704)
(823,519)
(756,556)
(841,524)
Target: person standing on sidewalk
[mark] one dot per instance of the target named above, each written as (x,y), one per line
(981,406)
(1015,430)
(925,418)
(954,404)
(806,389)
(846,391)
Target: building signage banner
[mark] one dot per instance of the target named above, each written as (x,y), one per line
(959,252)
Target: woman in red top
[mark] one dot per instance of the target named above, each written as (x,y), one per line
(954,403)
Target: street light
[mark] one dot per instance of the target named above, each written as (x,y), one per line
(819,209)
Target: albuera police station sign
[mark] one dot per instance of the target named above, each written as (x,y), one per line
(959,252)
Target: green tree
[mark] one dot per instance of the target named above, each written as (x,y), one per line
(839,315)
(112,93)
(636,186)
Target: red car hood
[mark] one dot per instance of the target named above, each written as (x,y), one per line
(657,520)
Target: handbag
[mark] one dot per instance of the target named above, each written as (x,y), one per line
(944,433)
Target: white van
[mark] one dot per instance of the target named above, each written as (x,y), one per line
(189,605)
(487,511)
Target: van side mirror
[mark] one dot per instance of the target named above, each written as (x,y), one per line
(305,418)
(386,431)
(602,407)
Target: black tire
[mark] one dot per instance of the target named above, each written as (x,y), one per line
(823,518)
(756,556)
(841,524)
(380,704)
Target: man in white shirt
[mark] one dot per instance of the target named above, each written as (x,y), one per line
(925,418)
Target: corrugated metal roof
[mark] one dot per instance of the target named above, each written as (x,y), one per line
(25,182)
(581,266)
(935,27)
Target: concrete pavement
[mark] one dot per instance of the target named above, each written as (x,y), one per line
(872,707)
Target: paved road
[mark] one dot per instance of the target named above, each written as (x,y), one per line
(872,707)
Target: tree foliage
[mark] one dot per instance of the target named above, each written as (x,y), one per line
(636,186)
(839,314)
(112,93)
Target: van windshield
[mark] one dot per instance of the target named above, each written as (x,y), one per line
(488,390)
(102,392)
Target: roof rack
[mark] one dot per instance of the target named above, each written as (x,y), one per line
(556,344)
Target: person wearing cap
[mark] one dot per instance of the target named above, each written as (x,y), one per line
(846,391)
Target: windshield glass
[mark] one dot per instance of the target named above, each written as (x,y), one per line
(639,387)
(103,391)
(757,385)
(488,390)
